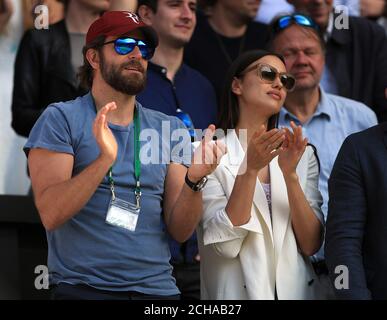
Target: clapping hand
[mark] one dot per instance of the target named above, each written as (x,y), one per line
(293,149)
(263,147)
(207,156)
(105,139)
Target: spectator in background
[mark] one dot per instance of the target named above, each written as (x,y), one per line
(47,62)
(356,228)
(353,6)
(13,177)
(6,11)
(356,64)
(56,11)
(123,5)
(375,10)
(222,34)
(176,89)
(326,119)
(268,9)
(171,83)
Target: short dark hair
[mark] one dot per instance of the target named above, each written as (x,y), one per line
(205,4)
(228,114)
(149,3)
(85,73)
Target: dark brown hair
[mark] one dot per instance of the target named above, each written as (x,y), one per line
(149,3)
(85,73)
(205,4)
(228,113)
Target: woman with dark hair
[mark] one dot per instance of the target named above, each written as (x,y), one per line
(262,218)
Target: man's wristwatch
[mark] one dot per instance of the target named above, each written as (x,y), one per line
(198,186)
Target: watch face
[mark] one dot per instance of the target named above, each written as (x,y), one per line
(200,185)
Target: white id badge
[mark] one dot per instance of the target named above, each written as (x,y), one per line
(122,214)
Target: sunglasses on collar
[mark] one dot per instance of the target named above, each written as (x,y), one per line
(268,74)
(183,116)
(300,19)
(126,45)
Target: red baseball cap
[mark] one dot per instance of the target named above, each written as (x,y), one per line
(118,23)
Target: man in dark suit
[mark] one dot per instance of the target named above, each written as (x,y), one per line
(356,51)
(356,230)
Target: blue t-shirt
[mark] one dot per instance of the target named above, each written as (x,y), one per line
(193,94)
(87,250)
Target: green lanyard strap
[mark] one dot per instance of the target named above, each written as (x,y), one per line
(111,183)
(137,163)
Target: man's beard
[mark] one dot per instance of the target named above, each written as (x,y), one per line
(130,84)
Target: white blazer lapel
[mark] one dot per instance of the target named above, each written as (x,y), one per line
(280,205)
(262,206)
(235,155)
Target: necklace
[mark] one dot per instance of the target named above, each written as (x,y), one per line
(224,50)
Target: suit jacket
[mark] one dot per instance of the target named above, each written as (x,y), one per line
(254,260)
(43,75)
(357,58)
(356,234)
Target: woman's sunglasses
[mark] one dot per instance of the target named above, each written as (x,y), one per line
(268,74)
(125,46)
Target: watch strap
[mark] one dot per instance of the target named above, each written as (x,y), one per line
(198,186)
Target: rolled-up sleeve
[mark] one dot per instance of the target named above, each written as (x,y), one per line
(51,132)
(218,230)
(312,193)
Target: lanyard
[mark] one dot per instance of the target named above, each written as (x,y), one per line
(137,163)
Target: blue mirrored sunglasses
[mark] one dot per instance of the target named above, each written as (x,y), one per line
(125,46)
(183,116)
(286,21)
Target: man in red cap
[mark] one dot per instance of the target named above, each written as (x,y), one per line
(103,177)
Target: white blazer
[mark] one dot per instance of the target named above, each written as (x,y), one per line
(252,260)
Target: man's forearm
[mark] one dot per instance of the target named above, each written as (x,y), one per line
(60,202)
(186,214)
